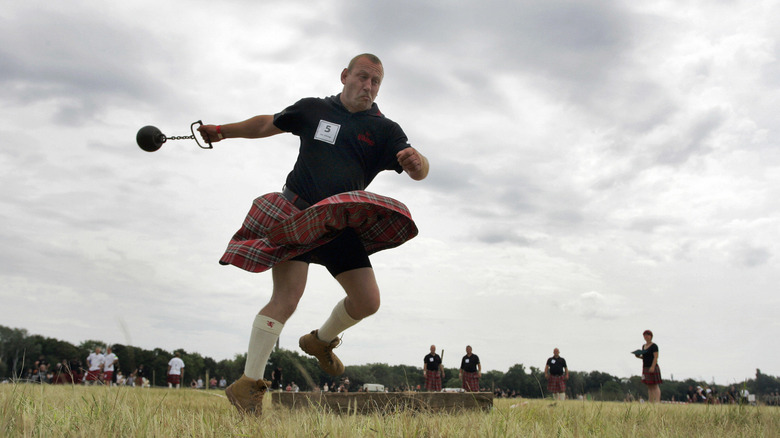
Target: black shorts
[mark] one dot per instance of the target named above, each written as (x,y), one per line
(344,253)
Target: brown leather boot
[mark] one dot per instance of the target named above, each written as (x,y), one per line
(323,351)
(247,395)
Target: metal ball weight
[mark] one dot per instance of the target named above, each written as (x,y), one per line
(150,138)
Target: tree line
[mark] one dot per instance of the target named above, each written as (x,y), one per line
(20,350)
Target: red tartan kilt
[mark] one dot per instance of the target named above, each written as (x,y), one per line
(653,378)
(432,380)
(174,379)
(275,230)
(107,376)
(93,376)
(60,378)
(556,384)
(470,381)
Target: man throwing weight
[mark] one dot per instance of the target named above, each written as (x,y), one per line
(322,216)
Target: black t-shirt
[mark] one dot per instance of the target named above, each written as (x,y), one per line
(556,365)
(432,361)
(276,376)
(340,151)
(647,356)
(469,363)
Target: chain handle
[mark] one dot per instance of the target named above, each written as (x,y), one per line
(191,137)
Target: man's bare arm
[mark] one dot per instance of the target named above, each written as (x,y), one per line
(255,127)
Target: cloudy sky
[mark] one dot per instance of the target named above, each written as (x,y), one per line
(597,168)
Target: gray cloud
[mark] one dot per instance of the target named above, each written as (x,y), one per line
(750,256)
(574,147)
(594,305)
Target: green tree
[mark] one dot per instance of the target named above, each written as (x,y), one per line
(611,391)
(14,344)
(576,384)
(763,384)
(303,370)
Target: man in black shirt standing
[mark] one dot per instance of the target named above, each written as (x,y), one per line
(557,373)
(470,371)
(434,370)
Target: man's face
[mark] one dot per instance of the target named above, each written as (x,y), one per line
(433,349)
(556,352)
(468,350)
(361,85)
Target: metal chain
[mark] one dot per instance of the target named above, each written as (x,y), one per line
(188,137)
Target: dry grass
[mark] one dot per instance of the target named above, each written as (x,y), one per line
(52,411)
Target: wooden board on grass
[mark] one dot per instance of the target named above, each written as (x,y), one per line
(365,402)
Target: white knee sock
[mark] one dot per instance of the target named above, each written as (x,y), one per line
(265,332)
(338,321)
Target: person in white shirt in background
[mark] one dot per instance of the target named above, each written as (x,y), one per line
(175,371)
(109,360)
(94,366)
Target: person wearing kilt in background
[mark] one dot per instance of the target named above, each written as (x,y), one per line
(94,367)
(651,372)
(323,216)
(557,373)
(175,371)
(470,371)
(109,361)
(433,369)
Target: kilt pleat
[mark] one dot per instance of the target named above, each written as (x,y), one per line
(556,384)
(432,380)
(275,230)
(470,381)
(651,378)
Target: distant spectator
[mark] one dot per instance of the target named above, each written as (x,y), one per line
(61,374)
(41,361)
(213,383)
(94,366)
(35,376)
(76,370)
(433,370)
(222,382)
(557,373)
(470,371)
(732,394)
(651,372)
(175,371)
(109,361)
(140,375)
(276,379)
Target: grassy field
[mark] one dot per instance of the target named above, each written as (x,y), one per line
(52,411)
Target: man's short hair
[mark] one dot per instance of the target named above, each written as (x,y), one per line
(373,58)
